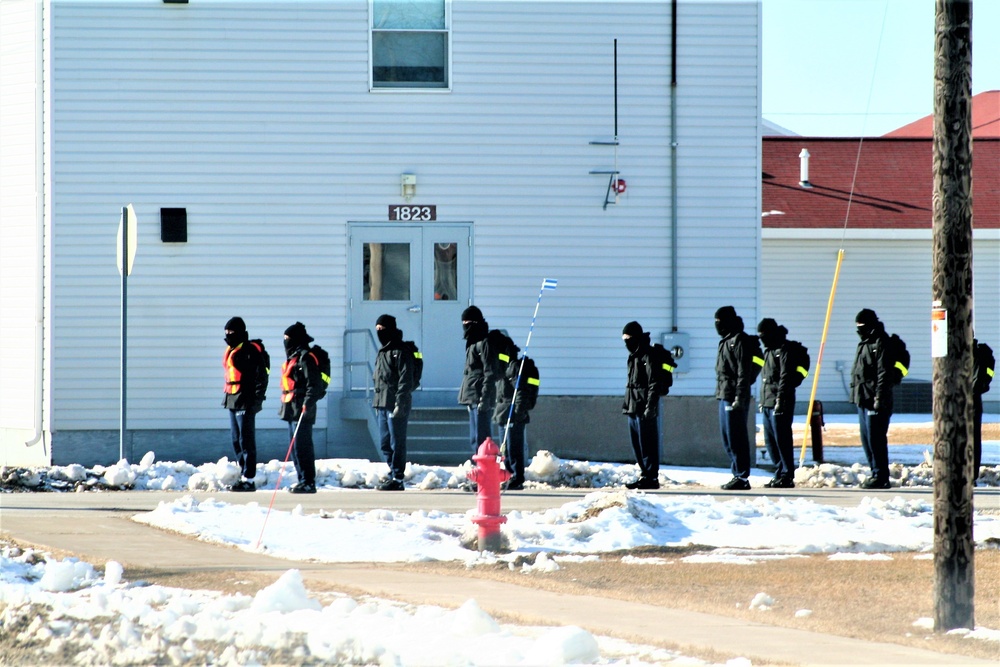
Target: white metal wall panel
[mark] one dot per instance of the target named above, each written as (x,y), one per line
(257,118)
(20,254)
(892,276)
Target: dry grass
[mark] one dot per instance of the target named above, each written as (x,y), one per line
(847,435)
(871,600)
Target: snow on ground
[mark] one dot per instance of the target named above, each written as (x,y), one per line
(66,612)
(62,611)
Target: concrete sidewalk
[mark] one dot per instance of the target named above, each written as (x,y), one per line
(98,533)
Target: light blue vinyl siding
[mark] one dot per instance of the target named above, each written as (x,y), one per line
(257,118)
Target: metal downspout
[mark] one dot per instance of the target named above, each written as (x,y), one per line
(39,392)
(673,166)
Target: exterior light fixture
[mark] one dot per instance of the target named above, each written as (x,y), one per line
(408,185)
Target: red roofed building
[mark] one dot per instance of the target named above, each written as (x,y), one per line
(985,120)
(873,199)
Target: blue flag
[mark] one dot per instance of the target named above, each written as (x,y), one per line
(549,283)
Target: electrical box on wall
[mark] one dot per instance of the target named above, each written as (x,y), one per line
(173,225)
(679,346)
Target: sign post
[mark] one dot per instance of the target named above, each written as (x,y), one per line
(127,237)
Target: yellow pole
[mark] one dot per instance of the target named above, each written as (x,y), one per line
(819,357)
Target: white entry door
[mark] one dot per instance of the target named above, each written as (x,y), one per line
(421,274)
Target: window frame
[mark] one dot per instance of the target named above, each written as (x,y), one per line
(391,88)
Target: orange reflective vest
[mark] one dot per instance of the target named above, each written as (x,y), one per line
(287,382)
(232,374)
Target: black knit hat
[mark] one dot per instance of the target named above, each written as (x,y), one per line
(297,333)
(767,326)
(632,329)
(866,316)
(386,321)
(472,314)
(725,314)
(236,324)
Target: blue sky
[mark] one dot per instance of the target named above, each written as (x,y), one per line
(861,67)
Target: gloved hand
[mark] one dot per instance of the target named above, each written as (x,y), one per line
(875,407)
(779,407)
(736,405)
(304,409)
(396,412)
(649,413)
(258,406)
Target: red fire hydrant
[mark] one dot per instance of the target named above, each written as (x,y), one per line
(488,476)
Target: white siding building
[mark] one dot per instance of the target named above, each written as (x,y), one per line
(263,147)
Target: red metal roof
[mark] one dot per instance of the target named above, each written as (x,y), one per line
(985,120)
(892,190)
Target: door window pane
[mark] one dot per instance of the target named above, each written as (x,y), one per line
(445,271)
(387,271)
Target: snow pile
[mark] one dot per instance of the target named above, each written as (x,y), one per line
(65,612)
(748,529)
(545,470)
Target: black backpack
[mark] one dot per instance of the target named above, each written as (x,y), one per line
(265,359)
(899,357)
(661,368)
(985,367)
(322,358)
(418,361)
(753,343)
(798,356)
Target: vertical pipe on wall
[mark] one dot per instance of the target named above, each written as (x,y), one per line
(38,394)
(673,166)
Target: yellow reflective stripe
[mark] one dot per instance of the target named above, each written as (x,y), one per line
(757,360)
(805,373)
(904,371)
(417,355)
(668,368)
(989,371)
(324,377)
(503,357)
(534,381)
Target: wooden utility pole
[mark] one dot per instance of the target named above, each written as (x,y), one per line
(954,574)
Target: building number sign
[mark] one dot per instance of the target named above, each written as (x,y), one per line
(413,213)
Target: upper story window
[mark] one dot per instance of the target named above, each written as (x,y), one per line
(410,44)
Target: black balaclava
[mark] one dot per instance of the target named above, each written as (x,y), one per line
(772,335)
(388,332)
(867,323)
(239,329)
(726,321)
(296,338)
(474,326)
(633,331)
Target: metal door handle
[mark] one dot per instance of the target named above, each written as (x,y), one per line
(414,309)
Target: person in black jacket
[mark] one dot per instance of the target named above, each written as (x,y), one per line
(516,385)
(871,391)
(735,375)
(641,406)
(301,388)
(983,370)
(245,387)
(777,400)
(478,390)
(393,398)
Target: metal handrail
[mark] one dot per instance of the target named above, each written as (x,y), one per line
(351,361)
